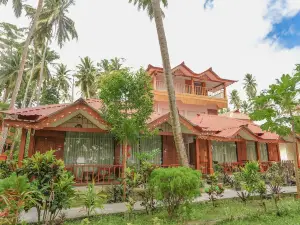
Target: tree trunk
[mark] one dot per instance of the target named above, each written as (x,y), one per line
(32,97)
(169,82)
(21,69)
(29,81)
(124,164)
(39,87)
(295,156)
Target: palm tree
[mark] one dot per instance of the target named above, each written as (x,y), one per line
(235,99)
(106,65)
(250,86)
(154,11)
(86,77)
(10,65)
(54,23)
(17,5)
(245,107)
(62,81)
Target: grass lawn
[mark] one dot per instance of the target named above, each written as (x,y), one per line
(227,212)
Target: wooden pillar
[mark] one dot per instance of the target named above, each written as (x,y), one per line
(31,143)
(22,147)
(154,82)
(278,152)
(225,93)
(210,169)
(257,148)
(193,86)
(197,160)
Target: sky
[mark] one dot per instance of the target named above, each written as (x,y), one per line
(234,37)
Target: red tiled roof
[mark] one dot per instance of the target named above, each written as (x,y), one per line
(212,75)
(227,127)
(236,115)
(46,110)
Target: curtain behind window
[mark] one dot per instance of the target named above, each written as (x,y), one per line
(224,152)
(264,157)
(147,145)
(251,151)
(88,148)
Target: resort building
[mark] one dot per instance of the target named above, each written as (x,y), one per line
(81,137)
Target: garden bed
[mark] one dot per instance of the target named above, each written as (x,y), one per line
(229,211)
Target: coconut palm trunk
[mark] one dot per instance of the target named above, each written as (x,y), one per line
(296,166)
(169,82)
(22,66)
(29,80)
(41,78)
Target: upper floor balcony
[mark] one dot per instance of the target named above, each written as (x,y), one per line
(195,93)
(205,88)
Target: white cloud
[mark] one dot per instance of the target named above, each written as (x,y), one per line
(228,38)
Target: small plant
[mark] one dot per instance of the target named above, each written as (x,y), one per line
(276,177)
(175,186)
(130,207)
(7,168)
(215,190)
(92,199)
(15,194)
(85,221)
(262,191)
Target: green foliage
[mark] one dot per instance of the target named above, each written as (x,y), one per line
(235,99)
(15,194)
(92,199)
(174,186)
(277,106)
(215,190)
(127,103)
(7,168)
(52,182)
(147,5)
(50,94)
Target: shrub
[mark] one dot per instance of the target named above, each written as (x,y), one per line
(7,168)
(215,190)
(15,194)
(174,186)
(92,199)
(52,181)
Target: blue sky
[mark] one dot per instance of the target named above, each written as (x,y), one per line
(286,32)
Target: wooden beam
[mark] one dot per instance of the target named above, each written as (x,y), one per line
(77,129)
(193,86)
(257,149)
(31,143)
(22,147)
(210,169)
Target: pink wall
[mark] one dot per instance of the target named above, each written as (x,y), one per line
(187,110)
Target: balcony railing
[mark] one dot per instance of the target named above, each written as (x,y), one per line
(188,89)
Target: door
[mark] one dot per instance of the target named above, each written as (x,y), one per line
(44,144)
(169,151)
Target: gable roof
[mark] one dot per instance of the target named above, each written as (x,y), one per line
(226,127)
(40,112)
(208,74)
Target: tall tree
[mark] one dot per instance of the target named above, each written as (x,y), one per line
(54,23)
(127,105)
(245,106)
(61,81)
(250,86)
(235,99)
(277,108)
(154,11)
(86,76)
(17,4)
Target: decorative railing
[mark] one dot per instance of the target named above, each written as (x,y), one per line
(100,174)
(188,89)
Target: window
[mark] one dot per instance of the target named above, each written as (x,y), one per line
(88,148)
(264,157)
(147,144)
(224,152)
(251,151)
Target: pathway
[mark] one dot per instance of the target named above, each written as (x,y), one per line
(31,215)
